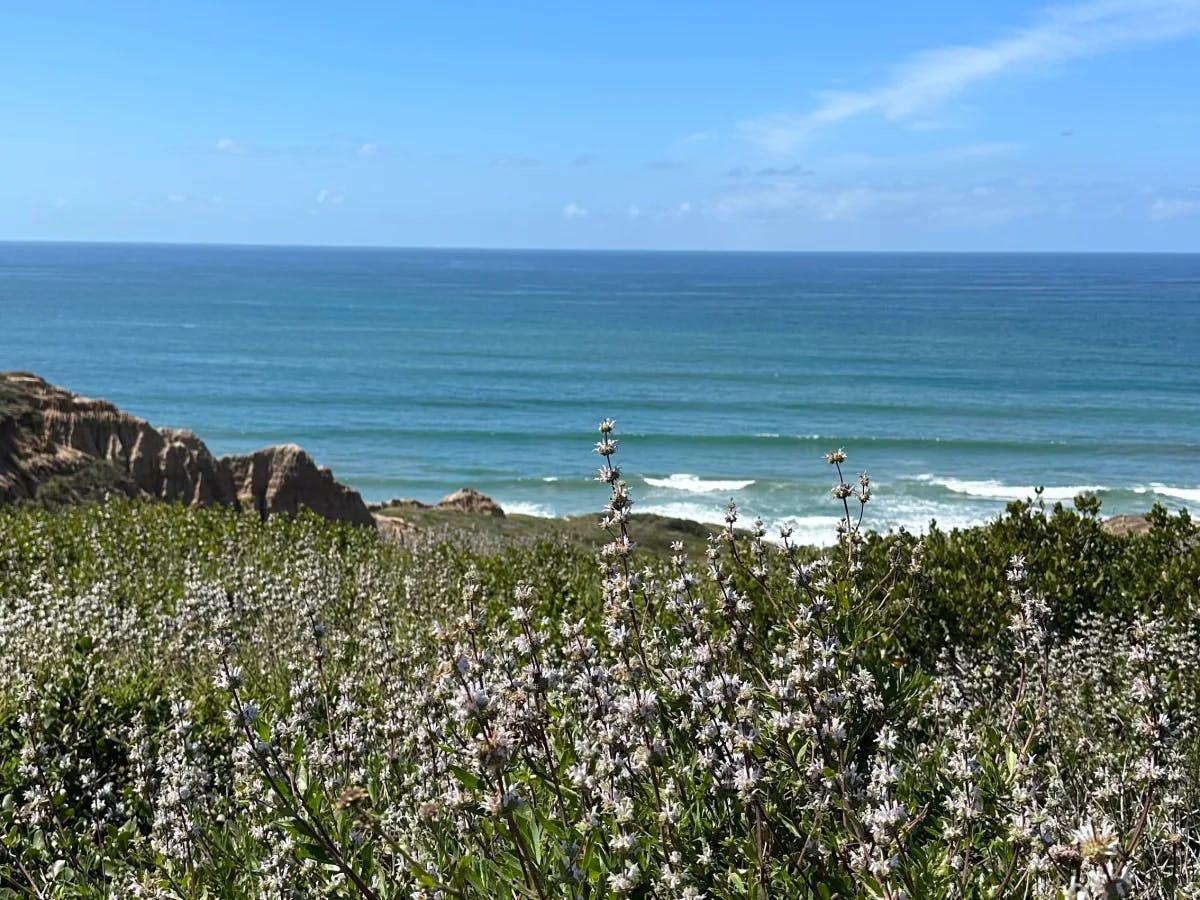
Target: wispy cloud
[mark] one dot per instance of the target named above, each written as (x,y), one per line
(574,211)
(823,204)
(1175,207)
(929,79)
(971,207)
(937,157)
(368,150)
(783,172)
(229,145)
(769,172)
(326,197)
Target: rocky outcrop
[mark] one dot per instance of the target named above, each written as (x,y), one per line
(50,437)
(398,503)
(393,528)
(469,500)
(283,478)
(1126,525)
(49,433)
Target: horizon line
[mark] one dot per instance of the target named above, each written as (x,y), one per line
(251,245)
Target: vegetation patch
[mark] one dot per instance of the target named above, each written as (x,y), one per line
(97,481)
(200,704)
(15,405)
(656,533)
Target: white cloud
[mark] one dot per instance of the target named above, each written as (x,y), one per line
(684,208)
(1164,208)
(826,204)
(635,212)
(368,150)
(973,206)
(176,198)
(326,197)
(929,79)
(778,135)
(229,145)
(574,211)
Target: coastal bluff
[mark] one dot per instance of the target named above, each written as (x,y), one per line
(62,447)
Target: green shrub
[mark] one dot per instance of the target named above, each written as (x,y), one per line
(194,703)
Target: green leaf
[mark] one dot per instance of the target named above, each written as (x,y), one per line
(466,778)
(314,850)
(302,827)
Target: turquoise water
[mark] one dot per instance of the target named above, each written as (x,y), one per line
(958,381)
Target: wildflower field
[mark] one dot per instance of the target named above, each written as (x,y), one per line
(198,704)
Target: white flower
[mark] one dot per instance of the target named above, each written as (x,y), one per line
(1097,842)
(623,882)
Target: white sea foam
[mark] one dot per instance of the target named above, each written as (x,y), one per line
(809,530)
(709,514)
(550,478)
(682,481)
(821,531)
(812,531)
(995,490)
(1192,495)
(523,508)
(915,523)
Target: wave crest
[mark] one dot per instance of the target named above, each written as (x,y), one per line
(996,490)
(1192,495)
(692,484)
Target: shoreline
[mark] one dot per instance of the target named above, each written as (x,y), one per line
(485,518)
(817,530)
(61,447)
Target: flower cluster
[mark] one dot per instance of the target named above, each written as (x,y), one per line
(203,704)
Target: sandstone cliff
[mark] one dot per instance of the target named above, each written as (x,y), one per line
(281,479)
(53,441)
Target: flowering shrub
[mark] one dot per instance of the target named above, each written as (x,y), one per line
(198,704)
(959,592)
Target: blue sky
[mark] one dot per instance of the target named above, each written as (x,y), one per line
(764,125)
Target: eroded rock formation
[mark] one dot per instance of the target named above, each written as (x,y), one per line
(470,501)
(283,478)
(54,440)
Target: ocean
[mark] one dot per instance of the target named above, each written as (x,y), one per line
(960,382)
